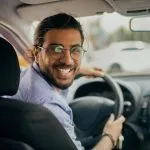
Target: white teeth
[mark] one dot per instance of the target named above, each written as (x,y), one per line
(64,70)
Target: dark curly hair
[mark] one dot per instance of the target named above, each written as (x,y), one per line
(58,21)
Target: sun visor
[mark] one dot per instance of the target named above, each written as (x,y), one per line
(131,7)
(39,1)
(76,8)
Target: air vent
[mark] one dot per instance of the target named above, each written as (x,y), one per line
(146,97)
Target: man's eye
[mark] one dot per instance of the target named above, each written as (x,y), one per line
(57,49)
(77,49)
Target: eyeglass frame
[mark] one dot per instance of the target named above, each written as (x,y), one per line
(50,49)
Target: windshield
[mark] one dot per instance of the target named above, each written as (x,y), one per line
(113,47)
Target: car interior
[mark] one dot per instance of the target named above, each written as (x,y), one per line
(27,126)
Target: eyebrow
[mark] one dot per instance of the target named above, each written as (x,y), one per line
(63,45)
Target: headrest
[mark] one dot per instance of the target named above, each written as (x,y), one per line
(9,69)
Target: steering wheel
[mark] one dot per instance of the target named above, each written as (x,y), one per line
(96,108)
(119,100)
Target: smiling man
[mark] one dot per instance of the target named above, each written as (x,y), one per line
(54,58)
(57,54)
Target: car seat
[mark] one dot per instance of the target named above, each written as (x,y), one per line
(25,126)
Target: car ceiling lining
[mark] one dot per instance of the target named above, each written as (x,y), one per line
(74,7)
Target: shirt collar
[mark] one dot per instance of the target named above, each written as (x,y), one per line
(64,92)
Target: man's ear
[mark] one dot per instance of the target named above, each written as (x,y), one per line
(36,55)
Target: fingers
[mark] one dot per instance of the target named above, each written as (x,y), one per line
(120,119)
(91,71)
(111,118)
(98,69)
(97,72)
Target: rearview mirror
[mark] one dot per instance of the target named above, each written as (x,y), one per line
(141,23)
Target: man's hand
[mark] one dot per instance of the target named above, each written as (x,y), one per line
(111,133)
(114,127)
(91,71)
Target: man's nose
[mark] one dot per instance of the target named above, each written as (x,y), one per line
(66,57)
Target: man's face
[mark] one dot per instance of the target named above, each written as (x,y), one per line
(62,70)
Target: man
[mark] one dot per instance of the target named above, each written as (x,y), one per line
(57,56)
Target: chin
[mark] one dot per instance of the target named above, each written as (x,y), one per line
(61,85)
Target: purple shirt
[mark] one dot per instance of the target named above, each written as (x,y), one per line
(34,88)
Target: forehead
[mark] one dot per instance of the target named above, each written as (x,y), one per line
(63,36)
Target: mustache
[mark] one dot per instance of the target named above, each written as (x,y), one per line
(63,65)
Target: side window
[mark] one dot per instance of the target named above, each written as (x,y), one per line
(17,43)
(22,62)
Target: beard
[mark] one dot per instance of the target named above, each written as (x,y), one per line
(51,79)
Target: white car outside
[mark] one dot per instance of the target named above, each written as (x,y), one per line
(126,56)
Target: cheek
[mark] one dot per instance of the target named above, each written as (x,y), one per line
(44,60)
(78,64)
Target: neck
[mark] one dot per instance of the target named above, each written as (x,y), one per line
(57,89)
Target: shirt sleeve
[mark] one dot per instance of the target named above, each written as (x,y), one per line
(66,121)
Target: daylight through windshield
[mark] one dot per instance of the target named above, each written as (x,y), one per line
(112,46)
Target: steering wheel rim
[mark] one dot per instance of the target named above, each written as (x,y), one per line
(119,99)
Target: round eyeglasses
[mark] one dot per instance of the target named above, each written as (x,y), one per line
(57,51)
